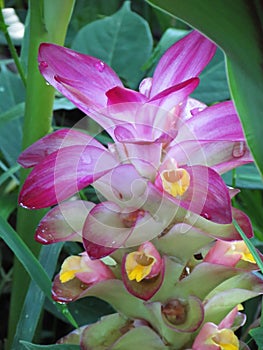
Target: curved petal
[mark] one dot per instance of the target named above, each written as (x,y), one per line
(63,222)
(123,185)
(108,227)
(186,59)
(222,156)
(217,122)
(207,195)
(89,75)
(119,94)
(145,158)
(172,96)
(104,230)
(64,173)
(146,288)
(243,221)
(35,153)
(141,134)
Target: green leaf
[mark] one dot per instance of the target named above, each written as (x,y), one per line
(122,40)
(247,176)
(31,346)
(85,311)
(213,85)
(86,11)
(12,94)
(242,24)
(30,263)
(257,334)
(170,36)
(12,113)
(8,203)
(12,90)
(34,301)
(10,140)
(9,173)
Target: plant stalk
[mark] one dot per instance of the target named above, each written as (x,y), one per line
(48,22)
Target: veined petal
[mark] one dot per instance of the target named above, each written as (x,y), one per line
(35,153)
(64,173)
(89,75)
(207,195)
(109,227)
(222,156)
(217,122)
(186,59)
(63,222)
(120,94)
(105,230)
(123,186)
(145,158)
(174,95)
(243,221)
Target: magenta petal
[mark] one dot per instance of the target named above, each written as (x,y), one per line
(63,223)
(64,173)
(104,230)
(97,251)
(244,222)
(145,289)
(171,97)
(120,94)
(217,122)
(186,59)
(123,185)
(219,155)
(89,75)
(207,195)
(145,158)
(53,142)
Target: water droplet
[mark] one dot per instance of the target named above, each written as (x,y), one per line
(2,89)
(26,316)
(25,206)
(206,216)
(43,64)
(100,66)
(239,149)
(47,83)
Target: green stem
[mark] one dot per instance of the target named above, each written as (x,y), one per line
(12,48)
(48,22)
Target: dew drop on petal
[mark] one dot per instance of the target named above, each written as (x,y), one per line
(239,149)
(100,66)
(206,216)
(25,206)
(43,64)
